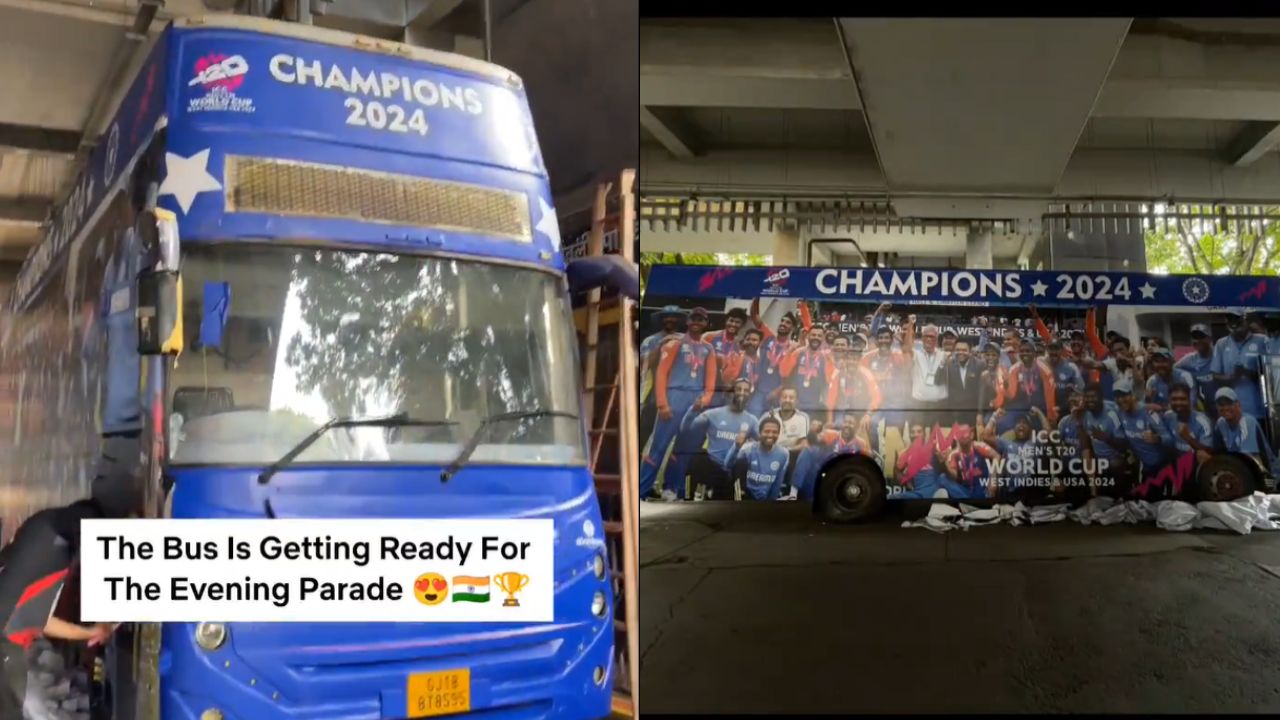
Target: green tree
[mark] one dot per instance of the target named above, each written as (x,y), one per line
(1210,246)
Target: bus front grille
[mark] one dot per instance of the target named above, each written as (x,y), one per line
(287,187)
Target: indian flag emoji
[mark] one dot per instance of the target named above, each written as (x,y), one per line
(467,588)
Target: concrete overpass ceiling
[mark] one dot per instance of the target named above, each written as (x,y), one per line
(979,105)
(1189,108)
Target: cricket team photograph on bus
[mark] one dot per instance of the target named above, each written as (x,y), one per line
(849,387)
(311,275)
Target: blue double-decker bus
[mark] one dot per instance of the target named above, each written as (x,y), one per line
(318,275)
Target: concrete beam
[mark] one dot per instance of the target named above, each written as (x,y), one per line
(23,212)
(1163,77)
(1255,140)
(1189,100)
(39,139)
(777,48)
(660,88)
(677,141)
(1007,97)
(784,63)
(1091,173)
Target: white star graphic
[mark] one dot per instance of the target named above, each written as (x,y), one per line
(1038,288)
(187,178)
(548,225)
(1148,291)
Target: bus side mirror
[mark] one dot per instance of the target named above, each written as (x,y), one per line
(159,312)
(160,292)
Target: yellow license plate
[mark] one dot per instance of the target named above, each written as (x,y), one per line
(439,693)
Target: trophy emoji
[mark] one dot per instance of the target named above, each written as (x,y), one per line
(511,583)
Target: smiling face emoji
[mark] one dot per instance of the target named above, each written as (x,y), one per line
(431,589)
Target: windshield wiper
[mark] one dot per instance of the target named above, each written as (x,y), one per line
(474,441)
(397,420)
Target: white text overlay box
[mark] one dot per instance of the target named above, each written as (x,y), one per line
(304,570)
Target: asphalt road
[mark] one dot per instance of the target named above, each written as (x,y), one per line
(761,608)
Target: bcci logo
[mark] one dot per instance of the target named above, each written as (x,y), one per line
(219,76)
(775,283)
(1195,290)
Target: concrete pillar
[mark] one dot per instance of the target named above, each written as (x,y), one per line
(786,246)
(977,251)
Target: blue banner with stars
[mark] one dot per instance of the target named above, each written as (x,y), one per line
(966,287)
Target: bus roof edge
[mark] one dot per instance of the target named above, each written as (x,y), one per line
(351,40)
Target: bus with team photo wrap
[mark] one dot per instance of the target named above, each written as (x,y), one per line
(315,275)
(849,387)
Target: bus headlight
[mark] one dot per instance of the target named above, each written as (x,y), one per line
(210,636)
(211,714)
(598,604)
(598,565)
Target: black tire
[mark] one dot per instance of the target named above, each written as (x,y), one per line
(850,490)
(1225,478)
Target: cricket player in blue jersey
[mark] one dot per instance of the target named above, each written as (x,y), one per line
(1165,375)
(1066,377)
(726,339)
(1144,432)
(1190,429)
(1020,449)
(685,380)
(1199,365)
(1102,418)
(1237,431)
(742,362)
(758,468)
(719,427)
(810,369)
(1237,363)
(672,318)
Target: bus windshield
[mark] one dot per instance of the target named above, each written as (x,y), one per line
(282,339)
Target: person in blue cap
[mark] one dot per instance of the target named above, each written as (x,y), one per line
(1163,377)
(672,318)
(1199,365)
(684,380)
(1239,432)
(1144,432)
(1237,362)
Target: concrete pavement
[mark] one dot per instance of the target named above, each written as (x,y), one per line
(761,608)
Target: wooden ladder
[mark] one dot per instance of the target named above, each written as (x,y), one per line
(614,466)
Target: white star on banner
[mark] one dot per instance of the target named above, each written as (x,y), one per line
(1038,288)
(188,177)
(547,224)
(1148,291)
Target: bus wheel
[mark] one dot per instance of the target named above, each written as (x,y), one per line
(849,491)
(1225,478)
